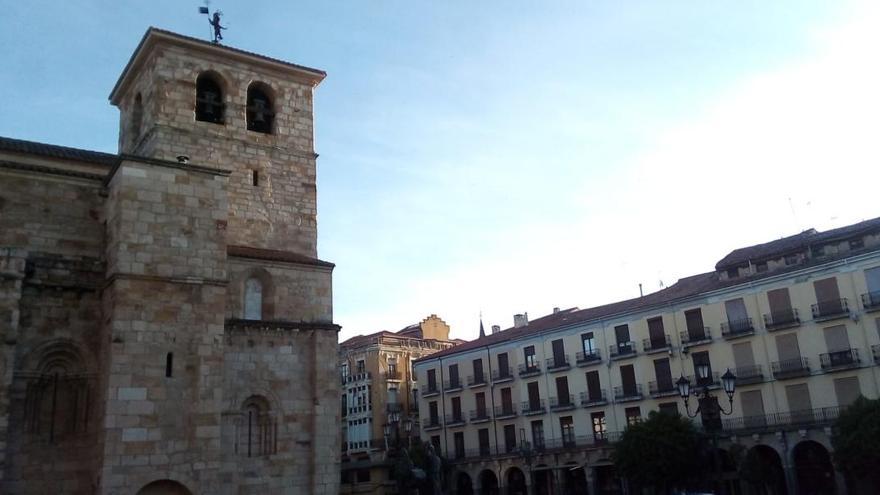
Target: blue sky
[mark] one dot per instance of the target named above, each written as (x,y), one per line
(514,156)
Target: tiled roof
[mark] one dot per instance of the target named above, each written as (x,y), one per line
(797,242)
(53,151)
(360,339)
(274,255)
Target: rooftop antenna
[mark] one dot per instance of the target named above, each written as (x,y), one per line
(213,21)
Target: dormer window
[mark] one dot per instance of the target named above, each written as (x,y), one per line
(260,112)
(732,272)
(857,243)
(209,100)
(818,251)
(761,267)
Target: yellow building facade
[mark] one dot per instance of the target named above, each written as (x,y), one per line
(797,320)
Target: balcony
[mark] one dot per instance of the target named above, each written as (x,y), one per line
(737,328)
(627,394)
(622,350)
(357,377)
(502,375)
(530,369)
(476,381)
(586,358)
(793,420)
(747,375)
(665,389)
(393,375)
(656,345)
(875,350)
(505,411)
(711,382)
(871,301)
(839,360)
(480,416)
(782,319)
(830,310)
(455,419)
(431,390)
(532,407)
(362,408)
(431,424)
(695,336)
(394,407)
(562,403)
(558,364)
(592,400)
(452,385)
(790,368)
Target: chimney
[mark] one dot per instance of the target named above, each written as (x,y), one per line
(555,310)
(496,328)
(520,320)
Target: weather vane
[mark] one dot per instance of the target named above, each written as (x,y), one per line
(214,21)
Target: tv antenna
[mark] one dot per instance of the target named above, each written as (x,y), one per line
(213,21)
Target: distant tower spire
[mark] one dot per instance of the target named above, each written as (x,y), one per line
(482,331)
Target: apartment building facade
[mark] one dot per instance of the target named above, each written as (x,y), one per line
(379,396)
(536,408)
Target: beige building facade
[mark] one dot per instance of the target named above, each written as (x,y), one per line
(797,320)
(379,393)
(163,310)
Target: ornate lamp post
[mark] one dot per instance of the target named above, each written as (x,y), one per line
(525,451)
(708,407)
(407,427)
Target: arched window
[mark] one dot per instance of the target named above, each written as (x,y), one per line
(260,112)
(209,100)
(253,299)
(258,430)
(137,117)
(58,399)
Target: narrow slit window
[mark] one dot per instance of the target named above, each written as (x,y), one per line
(169,365)
(255,177)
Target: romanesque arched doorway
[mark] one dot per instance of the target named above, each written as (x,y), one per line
(516,482)
(488,483)
(814,472)
(164,487)
(463,485)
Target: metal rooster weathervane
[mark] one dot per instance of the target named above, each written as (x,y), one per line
(214,21)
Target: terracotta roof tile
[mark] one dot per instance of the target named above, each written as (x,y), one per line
(54,151)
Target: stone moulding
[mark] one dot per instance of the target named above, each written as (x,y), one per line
(279,326)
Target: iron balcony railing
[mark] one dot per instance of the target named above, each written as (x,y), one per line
(530,369)
(588,357)
(783,318)
(695,336)
(562,402)
(430,389)
(746,375)
(834,308)
(656,345)
(502,375)
(790,368)
(455,419)
(543,446)
(787,420)
(871,301)
(597,398)
(360,408)
(504,411)
(533,406)
(479,415)
(432,422)
(662,389)
(737,328)
(839,359)
(628,393)
(393,375)
(622,350)
(452,384)
(394,407)
(476,381)
(357,377)
(558,363)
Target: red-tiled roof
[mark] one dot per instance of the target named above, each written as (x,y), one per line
(54,151)
(274,255)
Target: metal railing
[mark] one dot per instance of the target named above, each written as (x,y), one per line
(505,411)
(871,300)
(651,345)
(533,406)
(452,384)
(694,336)
(839,359)
(393,375)
(430,389)
(480,415)
(394,407)
(658,389)
(785,318)
(476,381)
(433,422)
(749,374)
(622,349)
(357,377)
(455,419)
(628,393)
(737,328)
(502,375)
(562,402)
(529,369)
(786,420)
(790,368)
(559,363)
(833,308)
(596,399)
(588,357)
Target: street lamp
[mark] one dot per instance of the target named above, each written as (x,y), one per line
(525,451)
(407,427)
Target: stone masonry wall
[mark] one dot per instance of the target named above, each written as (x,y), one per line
(300,293)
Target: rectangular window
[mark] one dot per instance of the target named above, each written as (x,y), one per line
(432,413)
(668,408)
(694,320)
(787,348)
(663,373)
(503,365)
(799,403)
(791,259)
(872,279)
(534,396)
(478,371)
(732,272)
(530,359)
(598,422)
(558,352)
(780,301)
(566,425)
(633,415)
(435,441)
(621,334)
(480,399)
(744,359)
(506,400)
(361,366)
(855,244)
(562,391)
(847,390)
(827,294)
(656,332)
(628,380)
(817,251)
(509,438)
(432,380)
(453,376)
(594,388)
(456,409)
(538,434)
(737,315)
(700,358)
(458,440)
(588,343)
(836,338)
(483,438)
(761,267)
